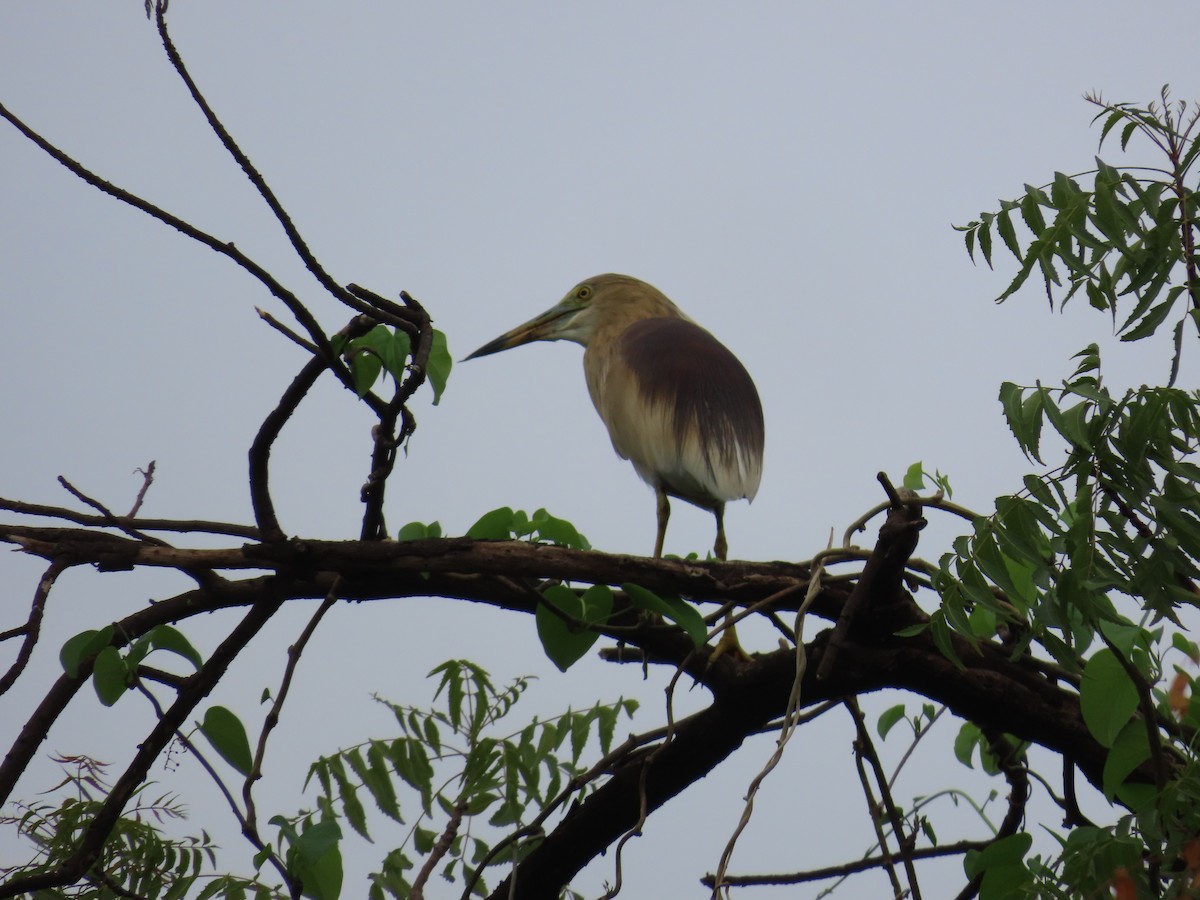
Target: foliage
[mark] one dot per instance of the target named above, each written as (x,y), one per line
(138,859)
(390,350)
(1096,560)
(465,781)
(1076,596)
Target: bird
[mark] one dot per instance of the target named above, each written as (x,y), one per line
(676,402)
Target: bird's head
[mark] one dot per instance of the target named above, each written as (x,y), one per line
(595,305)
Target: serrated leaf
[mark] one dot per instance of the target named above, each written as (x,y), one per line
(1152,319)
(1007,233)
(225,731)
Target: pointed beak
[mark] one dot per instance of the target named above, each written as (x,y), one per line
(549,326)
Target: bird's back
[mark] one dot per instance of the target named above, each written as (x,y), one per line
(681,407)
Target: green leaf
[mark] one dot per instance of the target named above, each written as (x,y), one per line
(1002,865)
(1129,750)
(110,676)
(678,611)
(1107,698)
(437,370)
(413,531)
(888,719)
(564,643)
(164,637)
(557,531)
(81,646)
(365,366)
(227,735)
(968,738)
(496,525)
(1152,319)
(914,478)
(1071,423)
(317,861)
(1005,227)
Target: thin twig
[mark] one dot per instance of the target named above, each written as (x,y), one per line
(147,480)
(449,833)
(389,311)
(247,826)
(790,722)
(272,717)
(177,525)
(891,782)
(865,749)
(851,868)
(33,624)
(107,514)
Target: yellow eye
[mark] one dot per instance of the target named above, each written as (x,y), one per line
(584,292)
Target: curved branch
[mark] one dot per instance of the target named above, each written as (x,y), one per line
(33,624)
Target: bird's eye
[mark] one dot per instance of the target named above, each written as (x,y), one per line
(584,292)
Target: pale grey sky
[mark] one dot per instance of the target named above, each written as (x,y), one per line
(786,172)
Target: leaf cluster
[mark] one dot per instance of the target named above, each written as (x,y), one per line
(455,779)
(1093,563)
(139,858)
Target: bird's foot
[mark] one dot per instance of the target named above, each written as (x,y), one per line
(728,644)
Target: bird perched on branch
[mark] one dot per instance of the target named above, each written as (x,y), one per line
(676,402)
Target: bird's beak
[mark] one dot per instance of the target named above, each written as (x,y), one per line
(549,326)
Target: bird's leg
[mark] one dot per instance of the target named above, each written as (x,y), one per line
(720,548)
(729,639)
(664,513)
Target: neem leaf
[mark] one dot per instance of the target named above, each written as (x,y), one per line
(164,637)
(496,525)
(227,735)
(1107,698)
(437,370)
(678,611)
(109,675)
(83,645)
